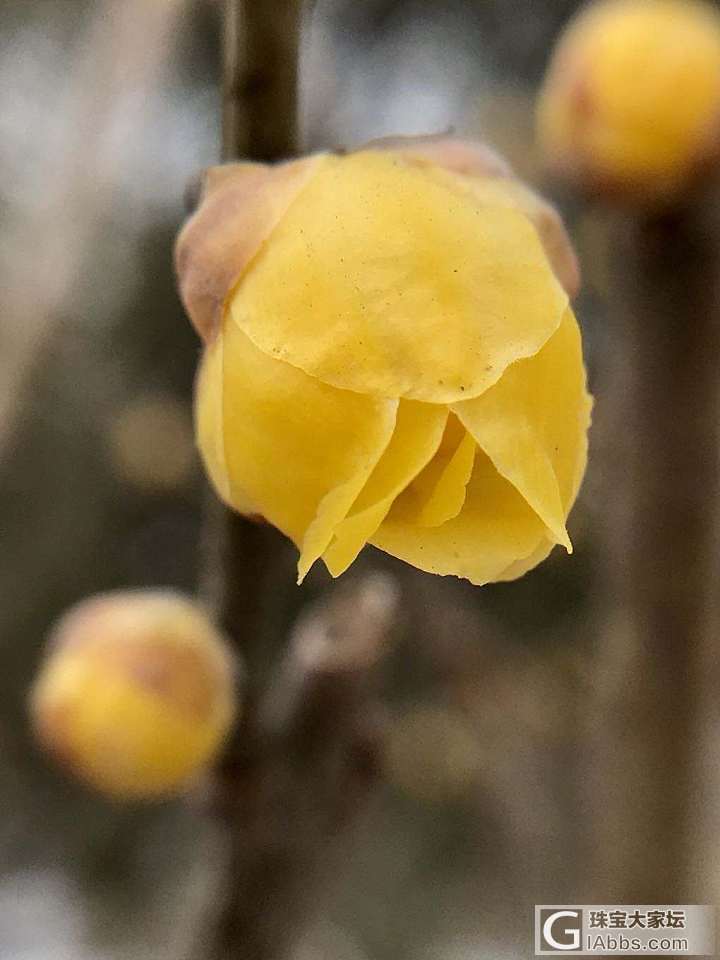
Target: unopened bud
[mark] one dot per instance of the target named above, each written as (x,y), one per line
(136,694)
(630,108)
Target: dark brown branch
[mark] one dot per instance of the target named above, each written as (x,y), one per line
(303,763)
(248,564)
(662,559)
(260,78)
(302,756)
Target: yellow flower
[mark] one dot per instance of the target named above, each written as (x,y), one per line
(136,694)
(631,102)
(390,358)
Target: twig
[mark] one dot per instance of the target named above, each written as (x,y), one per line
(248,563)
(303,762)
(261,46)
(244,562)
(302,756)
(663,562)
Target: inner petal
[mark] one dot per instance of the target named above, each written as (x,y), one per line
(418,433)
(438,493)
(495,529)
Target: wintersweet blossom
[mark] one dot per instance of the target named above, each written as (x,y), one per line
(390,356)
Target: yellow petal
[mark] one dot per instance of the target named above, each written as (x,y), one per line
(521,567)
(417,436)
(448,494)
(509,192)
(533,426)
(297,450)
(494,529)
(438,493)
(381,279)
(470,157)
(241,205)
(209,420)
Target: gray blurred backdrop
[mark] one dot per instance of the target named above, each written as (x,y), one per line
(106,112)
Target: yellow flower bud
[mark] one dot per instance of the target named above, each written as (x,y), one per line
(631,103)
(390,356)
(136,693)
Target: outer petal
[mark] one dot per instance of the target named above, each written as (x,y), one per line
(381,279)
(209,421)
(470,157)
(494,529)
(533,426)
(297,450)
(514,195)
(241,205)
(417,436)
(492,183)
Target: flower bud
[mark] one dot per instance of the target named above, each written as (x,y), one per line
(630,107)
(136,693)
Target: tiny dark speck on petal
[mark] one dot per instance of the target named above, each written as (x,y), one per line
(462,388)
(488,368)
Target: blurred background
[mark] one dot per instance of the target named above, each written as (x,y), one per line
(107,110)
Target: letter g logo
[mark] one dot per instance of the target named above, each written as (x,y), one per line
(558,935)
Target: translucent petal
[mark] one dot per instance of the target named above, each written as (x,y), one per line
(209,421)
(418,432)
(438,493)
(381,279)
(296,449)
(533,426)
(494,529)
(506,191)
(448,495)
(521,567)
